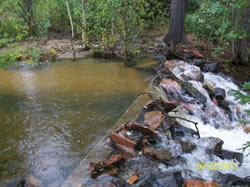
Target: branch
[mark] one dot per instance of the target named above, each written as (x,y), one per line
(195,123)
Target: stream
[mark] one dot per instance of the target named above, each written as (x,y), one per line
(51,117)
(214,120)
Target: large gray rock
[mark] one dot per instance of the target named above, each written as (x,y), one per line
(231,155)
(226,180)
(213,67)
(212,144)
(219,93)
(167,180)
(187,146)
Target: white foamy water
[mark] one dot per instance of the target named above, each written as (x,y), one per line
(228,128)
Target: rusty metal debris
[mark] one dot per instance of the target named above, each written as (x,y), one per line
(199,183)
(132,179)
(102,166)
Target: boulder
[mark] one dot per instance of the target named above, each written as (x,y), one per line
(170,64)
(231,155)
(166,180)
(226,180)
(187,146)
(163,154)
(194,75)
(212,67)
(170,86)
(219,93)
(198,62)
(224,104)
(212,144)
(183,131)
(210,89)
(190,108)
(192,92)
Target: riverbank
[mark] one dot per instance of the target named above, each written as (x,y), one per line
(150,44)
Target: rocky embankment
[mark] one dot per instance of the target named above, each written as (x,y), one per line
(155,150)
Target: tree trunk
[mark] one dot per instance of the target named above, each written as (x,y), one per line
(27,14)
(240,20)
(84,26)
(72,30)
(70,19)
(175,33)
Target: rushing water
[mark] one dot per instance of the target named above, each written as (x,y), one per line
(214,122)
(51,117)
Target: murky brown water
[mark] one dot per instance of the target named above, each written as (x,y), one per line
(51,117)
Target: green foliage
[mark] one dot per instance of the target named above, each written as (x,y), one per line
(213,20)
(244,98)
(246,147)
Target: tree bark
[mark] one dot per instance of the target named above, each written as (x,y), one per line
(240,20)
(84,25)
(70,19)
(72,30)
(175,33)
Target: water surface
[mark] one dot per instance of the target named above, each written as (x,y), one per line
(51,117)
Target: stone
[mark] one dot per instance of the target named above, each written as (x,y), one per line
(169,105)
(220,93)
(153,119)
(226,180)
(212,144)
(192,92)
(170,86)
(198,62)
(166,180)
(190,108)
(194,75)
(31,181)
(160,58)
(184,131)
(163,154)
(187,146)
(210,89)
(231,155)
(170,64)
(212,67)
(224,104)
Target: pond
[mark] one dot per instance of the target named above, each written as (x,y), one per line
(51,117)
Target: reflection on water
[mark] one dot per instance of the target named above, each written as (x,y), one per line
(50,118)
